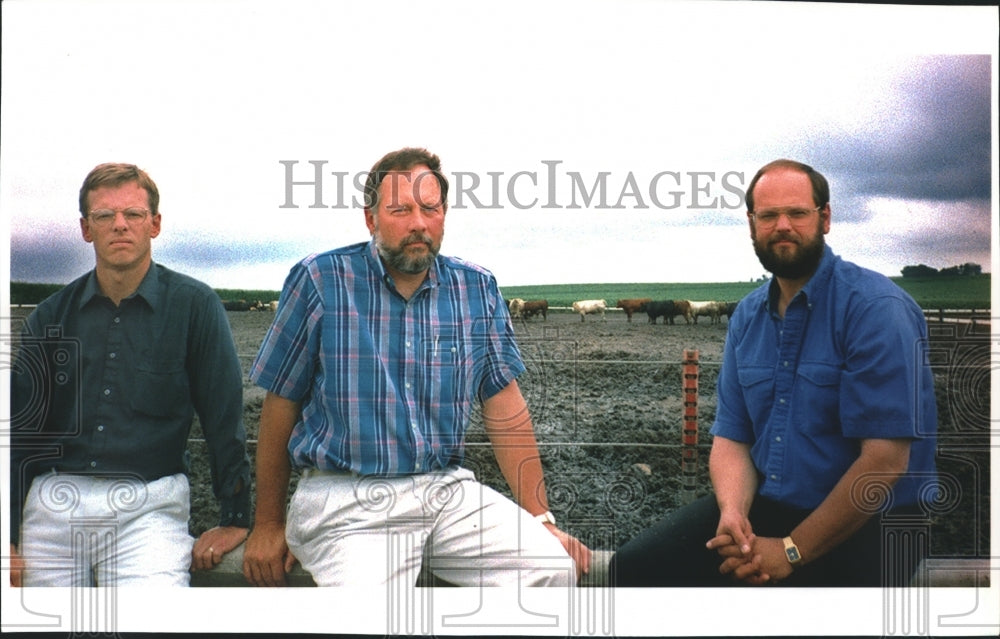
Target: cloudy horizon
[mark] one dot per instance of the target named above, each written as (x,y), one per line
(580,156)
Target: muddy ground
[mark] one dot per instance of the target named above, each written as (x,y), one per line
(606,397)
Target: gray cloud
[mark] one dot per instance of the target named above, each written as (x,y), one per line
(936,145)
(49,259)
(61,259)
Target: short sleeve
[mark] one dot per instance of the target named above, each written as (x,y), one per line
(288,355)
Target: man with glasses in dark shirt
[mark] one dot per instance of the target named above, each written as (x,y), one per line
(824,434)
(108,375)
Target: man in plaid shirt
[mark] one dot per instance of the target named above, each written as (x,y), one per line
(376,360)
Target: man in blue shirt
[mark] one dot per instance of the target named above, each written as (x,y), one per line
(109,373)
(825,425)
(378,357)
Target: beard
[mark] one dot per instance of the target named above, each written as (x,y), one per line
(397,257)
(791,265)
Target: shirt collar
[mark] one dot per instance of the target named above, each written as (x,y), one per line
(90,289)
(149,288)
(820,280)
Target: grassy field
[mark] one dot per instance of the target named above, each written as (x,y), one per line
(959,292)
(967,292)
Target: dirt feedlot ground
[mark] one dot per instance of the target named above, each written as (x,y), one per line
(606,398)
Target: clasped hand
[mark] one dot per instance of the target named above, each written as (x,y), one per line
(748,558)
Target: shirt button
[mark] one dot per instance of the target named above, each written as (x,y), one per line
(112,355)
(781,401)
(118,320)
(775,477)
(407,344)
(407,384)
(785,363)
(107,391)
(778,438)
(93,464)
(100,428)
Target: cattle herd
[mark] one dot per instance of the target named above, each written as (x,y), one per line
(667,309)
(525,309)
(243,305)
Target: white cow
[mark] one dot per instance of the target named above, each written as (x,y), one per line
(589,307)
(516,308)
(712,309)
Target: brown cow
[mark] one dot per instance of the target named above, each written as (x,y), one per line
(683,307)
(635,305)
(534,307)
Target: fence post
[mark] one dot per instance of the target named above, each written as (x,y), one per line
(689,426)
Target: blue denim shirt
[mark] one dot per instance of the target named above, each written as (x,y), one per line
(846,363)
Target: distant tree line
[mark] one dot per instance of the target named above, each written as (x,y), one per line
(922,270)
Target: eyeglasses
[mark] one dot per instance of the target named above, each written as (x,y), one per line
(106,217)
(769,217)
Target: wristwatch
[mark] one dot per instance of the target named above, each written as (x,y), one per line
(546,518)
(791,551)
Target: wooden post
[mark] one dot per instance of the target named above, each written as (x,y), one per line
(689,426)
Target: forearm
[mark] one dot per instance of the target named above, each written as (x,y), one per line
(521,466)
(511,433)
(849,504)
(734,478)
(273,469)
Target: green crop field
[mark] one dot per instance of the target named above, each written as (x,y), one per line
(958,292)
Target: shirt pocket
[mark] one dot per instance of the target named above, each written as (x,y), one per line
(449,373)
(160,388)
(818,391)
(757,383)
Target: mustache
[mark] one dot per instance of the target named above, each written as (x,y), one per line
(782,238)
(415,237)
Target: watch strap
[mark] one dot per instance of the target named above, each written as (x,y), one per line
(546,518)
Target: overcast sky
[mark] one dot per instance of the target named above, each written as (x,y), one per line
(586,141)
(671,106)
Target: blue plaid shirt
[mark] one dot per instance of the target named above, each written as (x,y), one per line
(387,385)
(846,363)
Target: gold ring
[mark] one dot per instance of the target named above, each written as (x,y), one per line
(211,550)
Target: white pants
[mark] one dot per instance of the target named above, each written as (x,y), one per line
(362,531)
(80,530)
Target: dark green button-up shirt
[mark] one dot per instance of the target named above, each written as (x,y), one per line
(111,390)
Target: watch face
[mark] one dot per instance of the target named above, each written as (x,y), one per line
(793,554)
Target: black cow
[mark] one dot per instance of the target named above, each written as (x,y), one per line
(235,305)
(665,309)
(728,308)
